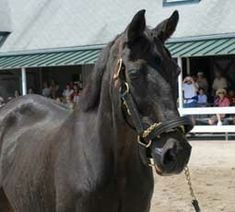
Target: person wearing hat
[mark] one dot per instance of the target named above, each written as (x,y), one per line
(221,101)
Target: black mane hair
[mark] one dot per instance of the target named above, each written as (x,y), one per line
(90,97)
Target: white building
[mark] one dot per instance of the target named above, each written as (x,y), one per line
(63,38)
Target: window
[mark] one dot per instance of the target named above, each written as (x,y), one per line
(177,2)
(3,37)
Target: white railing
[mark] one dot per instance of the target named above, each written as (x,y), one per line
(210,110)
(207,110)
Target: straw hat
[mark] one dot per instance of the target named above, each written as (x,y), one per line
(221,90)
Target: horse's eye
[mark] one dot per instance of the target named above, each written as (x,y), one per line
(134,73)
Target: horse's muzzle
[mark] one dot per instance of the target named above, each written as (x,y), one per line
(172,156)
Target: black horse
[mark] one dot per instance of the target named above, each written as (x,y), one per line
(99,157)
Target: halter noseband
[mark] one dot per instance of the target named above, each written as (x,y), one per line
(145,136)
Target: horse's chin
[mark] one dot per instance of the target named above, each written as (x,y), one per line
(161,172)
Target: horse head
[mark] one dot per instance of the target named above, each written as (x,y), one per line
(143,76)
(147,78)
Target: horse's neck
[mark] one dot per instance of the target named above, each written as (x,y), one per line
(122,137)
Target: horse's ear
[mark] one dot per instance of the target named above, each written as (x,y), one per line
(137,26)
(166,28)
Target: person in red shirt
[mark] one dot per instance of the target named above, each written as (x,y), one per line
(221,101)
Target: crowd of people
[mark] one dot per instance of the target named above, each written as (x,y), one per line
(196,93)
(69,95)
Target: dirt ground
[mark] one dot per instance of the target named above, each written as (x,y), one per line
(212,166)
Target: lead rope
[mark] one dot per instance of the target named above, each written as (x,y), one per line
(194,199)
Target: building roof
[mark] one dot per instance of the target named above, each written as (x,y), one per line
(48,24)
(89,55)
(77,56)
(203,47)
(5,21)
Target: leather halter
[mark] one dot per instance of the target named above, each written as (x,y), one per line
(146,136)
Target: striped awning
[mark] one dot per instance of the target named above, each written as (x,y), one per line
(49,59)
(196,48)
(200,48)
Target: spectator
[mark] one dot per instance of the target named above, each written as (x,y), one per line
(189,92)
(46,90)
(220,101)
(76,94)
(231,96)
(69,103)
(202,82)
(16,93)
(30,91)
(68,91)
(58,100)
(58,92)
(219,82)
(201,98)
(53,89)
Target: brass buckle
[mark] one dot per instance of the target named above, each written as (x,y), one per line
(143,144)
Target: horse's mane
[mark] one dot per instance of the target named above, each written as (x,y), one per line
(90,97)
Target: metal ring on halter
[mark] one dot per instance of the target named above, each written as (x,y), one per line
(127,90)
(143,144)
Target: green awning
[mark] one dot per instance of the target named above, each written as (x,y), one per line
(196,48)
(49,59)
(200,48)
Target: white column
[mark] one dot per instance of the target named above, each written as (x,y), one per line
(23,81)
(180,83)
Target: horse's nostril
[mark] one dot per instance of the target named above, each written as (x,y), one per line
(169,157)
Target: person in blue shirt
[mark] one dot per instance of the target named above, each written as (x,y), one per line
(201,98)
